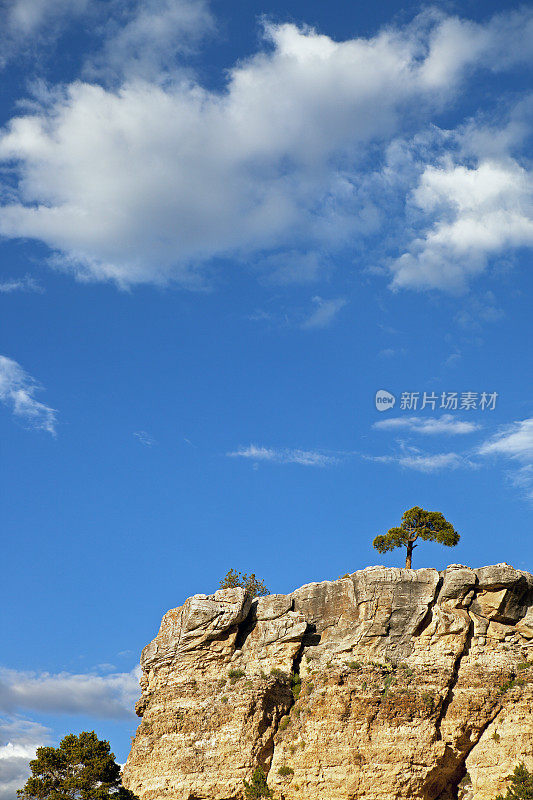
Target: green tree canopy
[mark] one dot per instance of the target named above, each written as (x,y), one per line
(254,586)
(521,787)
(416,523)
(257,787)
(81,768)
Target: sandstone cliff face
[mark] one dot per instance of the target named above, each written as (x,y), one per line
(414,684)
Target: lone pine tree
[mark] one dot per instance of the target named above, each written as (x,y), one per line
(81,768)
(416,523)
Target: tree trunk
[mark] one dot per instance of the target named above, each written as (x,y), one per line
(409,555)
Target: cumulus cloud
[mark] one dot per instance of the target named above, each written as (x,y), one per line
(17,391)
(109,697)
(481,211)
(19,740)
(149,180)
(307,458)
(447,424)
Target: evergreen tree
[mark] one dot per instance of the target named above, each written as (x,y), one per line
(521,787)
(416,523)
(257,787)
(81,768)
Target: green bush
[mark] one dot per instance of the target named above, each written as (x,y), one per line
(278,673)
(296,685)
(284,723)
(254,586)
(235,674)
(257,787)
(284,771)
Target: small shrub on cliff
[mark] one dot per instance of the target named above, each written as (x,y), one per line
(257,787)
(296,685)
(255,587)
(81,767)
(521,787)
(416,523)
(235,674)
(284,771)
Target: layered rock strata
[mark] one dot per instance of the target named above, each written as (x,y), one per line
(387,683)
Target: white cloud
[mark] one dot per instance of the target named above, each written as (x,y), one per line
(425,462)
(446,424)
(514,441)
(480,211)
(270,163)
(19,740)
(110,696)
(17,390)
(25,284)
(144,438)
(324,313)
(24,22)
(152,35)
(307,458)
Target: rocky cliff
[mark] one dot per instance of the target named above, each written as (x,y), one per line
(405,684)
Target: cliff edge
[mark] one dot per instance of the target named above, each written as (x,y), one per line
(405,684)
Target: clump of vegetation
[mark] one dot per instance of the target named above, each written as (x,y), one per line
(257,787)
(510,684)
(235,674)
(82,766)
(521,787)
(284,723)
(278,673)
(495,737)
(296,685)
(284,771)
(428,700)
(354,665)
(224,699)
(430,526)
(254,586)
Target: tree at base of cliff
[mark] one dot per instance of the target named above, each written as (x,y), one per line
(254,586)
(257,787)
(81,768)
(521,787)
(430,526)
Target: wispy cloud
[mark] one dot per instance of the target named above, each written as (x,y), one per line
(17,391)
(144,438)
(447,424)
(324,313)
(109,696)
(150,37)
(25,284)
(515,443)
(426,462)
(307,458)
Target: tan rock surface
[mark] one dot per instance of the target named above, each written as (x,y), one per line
(415,684)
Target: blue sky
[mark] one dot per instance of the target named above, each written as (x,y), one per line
(223,229)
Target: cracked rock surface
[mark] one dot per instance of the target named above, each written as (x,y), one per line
(414,684)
